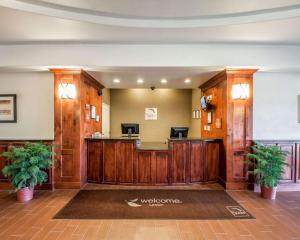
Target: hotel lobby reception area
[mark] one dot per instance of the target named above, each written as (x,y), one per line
(172,159)
(149,120)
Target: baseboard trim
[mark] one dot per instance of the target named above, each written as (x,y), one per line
(67,185)
(236,185)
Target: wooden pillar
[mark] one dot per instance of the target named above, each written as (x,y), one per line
(239,129)
(72,124)
(236,116)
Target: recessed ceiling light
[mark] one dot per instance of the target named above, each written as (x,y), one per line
(163,80)
(116,80)
(187,80)
(140,80)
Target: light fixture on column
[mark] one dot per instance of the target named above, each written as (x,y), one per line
(140,81)
(163,80)
(67,91)
(187,80)
(240,91)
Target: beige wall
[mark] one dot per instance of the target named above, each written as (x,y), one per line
(128,106)
(35,105)
(195,130)
(106,96)
(275,106)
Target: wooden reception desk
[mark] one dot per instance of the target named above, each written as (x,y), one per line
(125,161)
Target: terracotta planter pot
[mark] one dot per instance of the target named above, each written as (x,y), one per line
(268,193)
(25,194)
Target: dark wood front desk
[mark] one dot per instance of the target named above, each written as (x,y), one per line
(181,161)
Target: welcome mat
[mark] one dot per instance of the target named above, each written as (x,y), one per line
(152,204)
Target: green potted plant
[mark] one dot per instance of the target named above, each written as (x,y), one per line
(269,163)
(27,167)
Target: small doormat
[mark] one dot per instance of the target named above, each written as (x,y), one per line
(152,204)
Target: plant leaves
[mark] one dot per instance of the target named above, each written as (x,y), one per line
(27,164)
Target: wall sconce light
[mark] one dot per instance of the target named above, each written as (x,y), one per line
(240,91)
(67,91)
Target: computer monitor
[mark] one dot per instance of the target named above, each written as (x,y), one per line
(130,128)
(179,132)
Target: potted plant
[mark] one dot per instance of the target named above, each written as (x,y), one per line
(269,163)
(27,167)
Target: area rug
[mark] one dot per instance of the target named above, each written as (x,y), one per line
(153,204)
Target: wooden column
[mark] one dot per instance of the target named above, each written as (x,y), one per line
(239,129)
(236,124)
(72,125)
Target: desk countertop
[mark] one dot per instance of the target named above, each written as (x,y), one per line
(154,145)
(159,146)
(111,138)
(196,139)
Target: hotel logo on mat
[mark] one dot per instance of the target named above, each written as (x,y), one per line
(237,211)
(152,202)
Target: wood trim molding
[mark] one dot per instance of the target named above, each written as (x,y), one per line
(242,185)
(241,71)
(215,80)
(222,76)
(65,70)
(87,77)
(68,185)
(92,80)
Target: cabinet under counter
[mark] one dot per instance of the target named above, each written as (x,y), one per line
(126,161)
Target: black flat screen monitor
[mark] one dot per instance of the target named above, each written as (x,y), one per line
(130,128)
(179,132)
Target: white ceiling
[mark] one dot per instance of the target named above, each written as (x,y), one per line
(172,8)
(175,77)
(162,14)
(26,27)
(117,29)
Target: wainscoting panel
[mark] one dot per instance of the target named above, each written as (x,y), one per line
(291,178)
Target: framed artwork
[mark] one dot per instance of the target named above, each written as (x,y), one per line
(8,108)
(196,114)
(218,123)
(209,118)
(150,113)
(87,112)
(93,112)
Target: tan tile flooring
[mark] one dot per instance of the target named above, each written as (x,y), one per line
(278,220)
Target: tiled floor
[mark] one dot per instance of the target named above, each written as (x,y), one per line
(276,220)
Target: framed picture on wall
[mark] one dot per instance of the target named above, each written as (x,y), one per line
(150,113)
(194,114)
(8,108)
(197,114)
(93,112)
(209,117)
